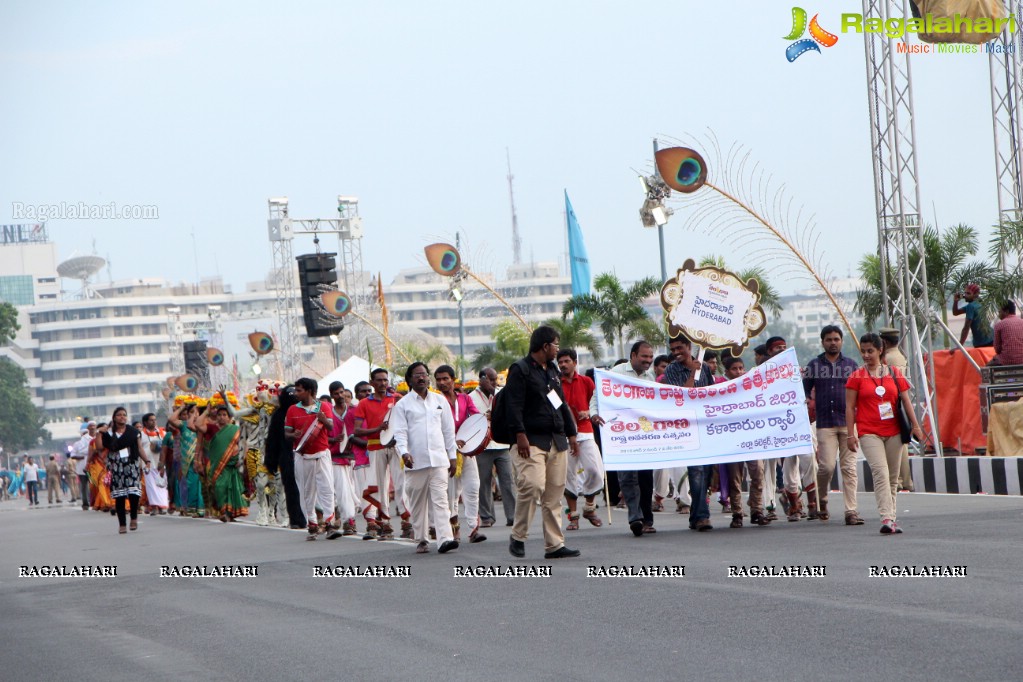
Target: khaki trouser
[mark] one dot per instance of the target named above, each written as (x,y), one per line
(756,485)
(832,444)
(905,475)
(540,477)
(882,454)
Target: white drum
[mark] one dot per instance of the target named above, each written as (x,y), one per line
(475,432)
(387,435)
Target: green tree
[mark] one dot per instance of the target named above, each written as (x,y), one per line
(8,322)
(575,333)
(511,342)
(21,422)
(433,355)
(1005,283)
(946,260)
(614,307)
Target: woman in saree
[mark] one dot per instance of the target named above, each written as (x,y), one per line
(99,484)
(123,444)
(225,467)
(17,479)
(189,485)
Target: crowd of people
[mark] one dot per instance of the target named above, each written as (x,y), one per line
(400,453)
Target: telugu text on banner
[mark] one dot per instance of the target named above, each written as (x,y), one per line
(760,415)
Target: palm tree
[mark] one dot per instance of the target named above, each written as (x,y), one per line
(575,333)
(614,307)
(770,299)
(511,342)
(946,257)
(1005,284)
(432,355)
(651,330)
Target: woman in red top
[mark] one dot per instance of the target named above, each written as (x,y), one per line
(870,395)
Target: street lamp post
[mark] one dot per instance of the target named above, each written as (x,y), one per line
(461,317)
(660,236)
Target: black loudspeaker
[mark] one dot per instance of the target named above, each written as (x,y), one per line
(196,363)
(317,274)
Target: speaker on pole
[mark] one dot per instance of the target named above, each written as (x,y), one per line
(317,274)
(196,362)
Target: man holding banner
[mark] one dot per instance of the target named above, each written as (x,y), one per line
(756,416)
(637,486)
(689,372)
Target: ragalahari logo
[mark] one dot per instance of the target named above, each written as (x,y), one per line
(817,35)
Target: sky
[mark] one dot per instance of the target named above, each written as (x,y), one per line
(205,110)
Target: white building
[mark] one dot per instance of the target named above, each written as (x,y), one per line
(809,310)
(421,298)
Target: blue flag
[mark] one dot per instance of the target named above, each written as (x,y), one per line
(577,252)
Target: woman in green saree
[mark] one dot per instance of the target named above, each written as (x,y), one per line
(225,473)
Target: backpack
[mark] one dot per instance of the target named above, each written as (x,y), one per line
(500,419)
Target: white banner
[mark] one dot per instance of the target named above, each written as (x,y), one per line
(760,415)
(713,307)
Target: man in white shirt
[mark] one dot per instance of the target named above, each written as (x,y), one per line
(80,455)
(424,435)
(637,486)
(31,472)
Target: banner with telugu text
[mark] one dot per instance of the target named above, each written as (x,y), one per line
(760,415)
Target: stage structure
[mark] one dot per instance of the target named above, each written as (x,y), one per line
(282,230)
(896,179)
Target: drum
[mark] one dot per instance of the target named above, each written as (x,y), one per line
(387,435)
(475,431)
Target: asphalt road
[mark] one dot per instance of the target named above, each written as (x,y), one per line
(287,624)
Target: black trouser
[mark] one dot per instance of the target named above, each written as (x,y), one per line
(119,503)
(83,485)
(638,484)
(291,495)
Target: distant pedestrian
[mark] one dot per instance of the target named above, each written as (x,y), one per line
(52,481)
(80,456)
(31,473)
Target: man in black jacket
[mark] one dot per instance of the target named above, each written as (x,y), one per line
(545,431)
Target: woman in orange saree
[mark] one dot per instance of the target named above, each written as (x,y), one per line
(99,483)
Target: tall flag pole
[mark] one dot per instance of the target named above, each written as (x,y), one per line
(383,317)
(580,262)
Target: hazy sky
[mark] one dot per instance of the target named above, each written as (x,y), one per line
(207,109)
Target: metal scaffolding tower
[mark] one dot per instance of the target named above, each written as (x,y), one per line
(897,201)
(351,278)
(283,275)
(1006,67)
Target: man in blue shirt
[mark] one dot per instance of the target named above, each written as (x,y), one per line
(975,321)
(824,384)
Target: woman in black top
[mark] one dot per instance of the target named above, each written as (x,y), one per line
(124,450)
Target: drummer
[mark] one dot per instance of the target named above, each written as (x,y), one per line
(468,483)
(371,417)
(585,468)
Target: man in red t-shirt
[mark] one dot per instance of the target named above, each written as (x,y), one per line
(371,417)
(585,468)
(307,427)
(342,459)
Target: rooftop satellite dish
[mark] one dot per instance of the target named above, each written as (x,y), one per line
(82,268)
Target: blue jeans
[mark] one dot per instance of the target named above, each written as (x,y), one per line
(699,477)
(638,490)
